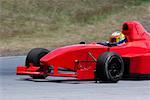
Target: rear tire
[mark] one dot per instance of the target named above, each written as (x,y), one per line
(34,57)
(109,67)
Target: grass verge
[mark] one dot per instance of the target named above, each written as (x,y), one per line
(54,23)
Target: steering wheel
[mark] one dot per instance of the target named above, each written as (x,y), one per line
(107,44)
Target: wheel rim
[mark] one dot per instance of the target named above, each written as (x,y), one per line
(114,68)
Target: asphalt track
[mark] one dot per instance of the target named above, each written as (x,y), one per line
(13,87)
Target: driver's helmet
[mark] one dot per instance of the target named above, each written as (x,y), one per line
(117,37)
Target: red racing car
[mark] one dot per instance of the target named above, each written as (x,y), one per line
(104,62)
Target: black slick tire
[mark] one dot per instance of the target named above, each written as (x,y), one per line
(109,67)
(34,57)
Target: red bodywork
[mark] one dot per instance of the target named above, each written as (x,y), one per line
(81,58)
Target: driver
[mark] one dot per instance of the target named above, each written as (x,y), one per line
(117,38)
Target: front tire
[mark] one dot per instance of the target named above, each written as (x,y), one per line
(109,67)
(34,57)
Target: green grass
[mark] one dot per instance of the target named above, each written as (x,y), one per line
(25,24)
(145,0)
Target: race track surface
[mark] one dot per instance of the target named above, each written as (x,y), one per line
(13,87)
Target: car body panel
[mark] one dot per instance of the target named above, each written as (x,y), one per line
(66,56)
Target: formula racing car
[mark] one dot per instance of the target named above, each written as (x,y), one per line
(103,61)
